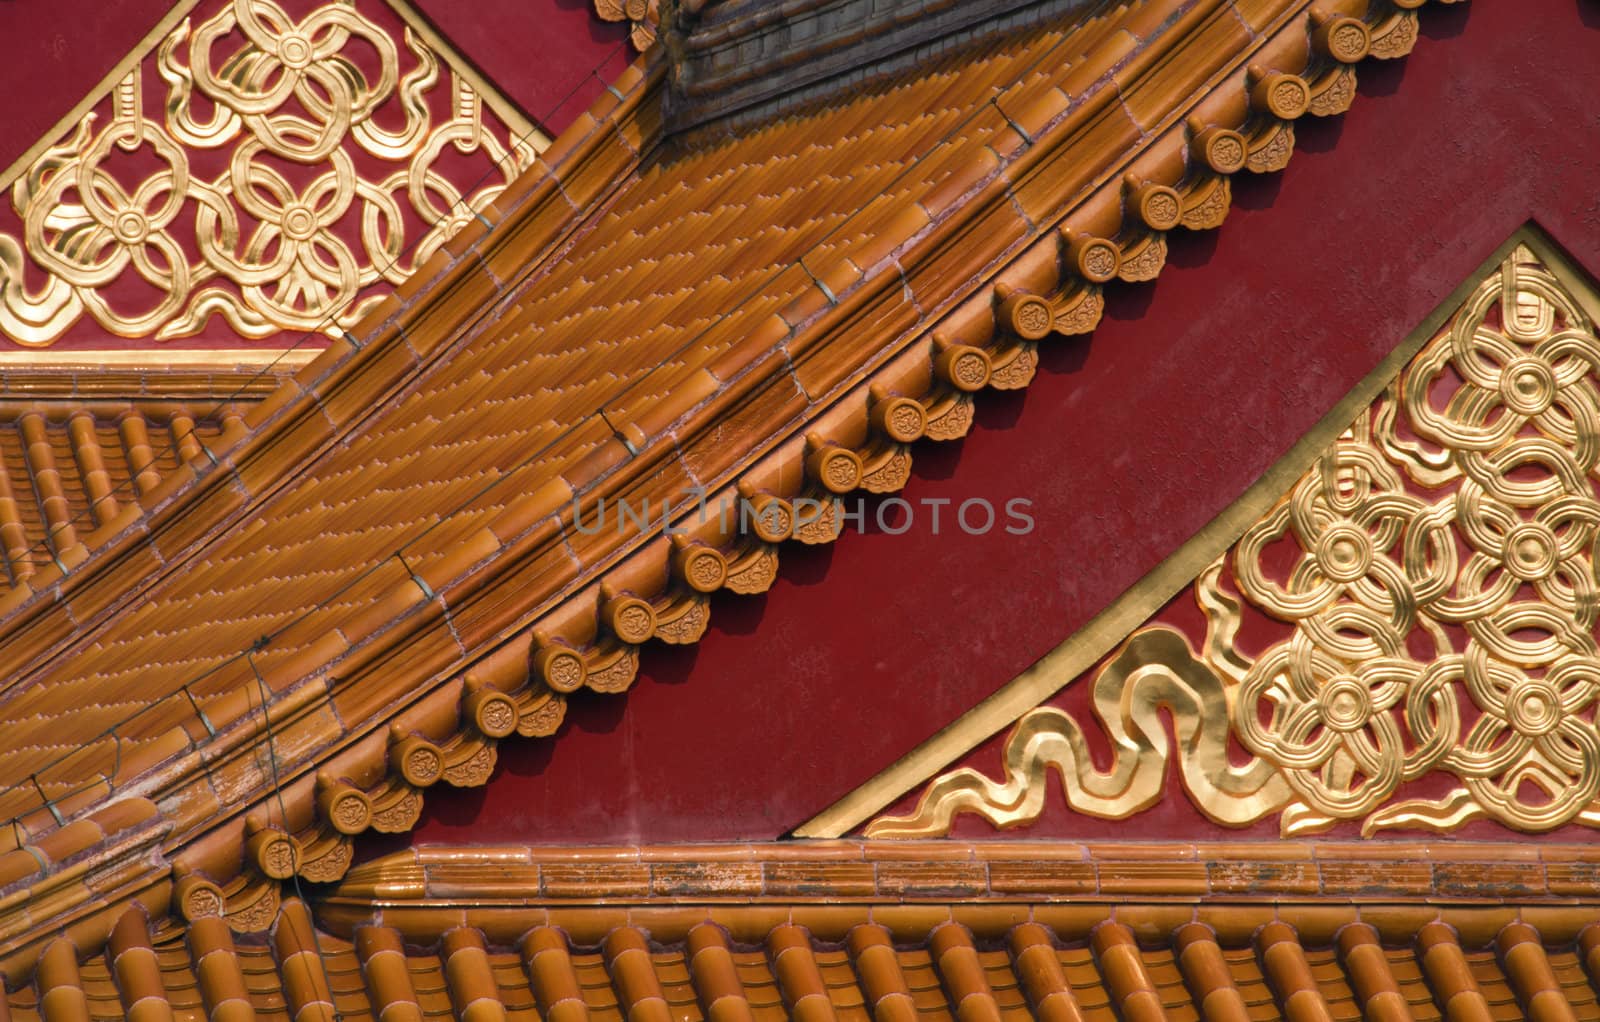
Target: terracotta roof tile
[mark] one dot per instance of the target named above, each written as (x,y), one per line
(65,468)
(784,970)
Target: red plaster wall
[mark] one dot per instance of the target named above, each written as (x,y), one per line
(540,52)
(550,57)
(1126,445)
(57,51)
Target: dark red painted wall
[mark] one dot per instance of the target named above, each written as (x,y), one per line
(55,52)
(1126,445)
(550,57)
(541,52)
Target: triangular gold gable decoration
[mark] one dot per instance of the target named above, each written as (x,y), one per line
(1455,512)
(220,230)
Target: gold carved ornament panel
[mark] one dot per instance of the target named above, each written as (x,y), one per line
(1436,609)
(326,147)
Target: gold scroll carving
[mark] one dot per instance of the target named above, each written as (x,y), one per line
(1437,607)
(329,188)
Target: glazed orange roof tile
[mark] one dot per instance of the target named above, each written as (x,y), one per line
(947,973)
(508,932)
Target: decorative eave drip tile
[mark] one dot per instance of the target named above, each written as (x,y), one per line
(643,18)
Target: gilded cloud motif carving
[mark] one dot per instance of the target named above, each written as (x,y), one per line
(288,173)
(1432,580)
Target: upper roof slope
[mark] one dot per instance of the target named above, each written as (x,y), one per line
(692,257)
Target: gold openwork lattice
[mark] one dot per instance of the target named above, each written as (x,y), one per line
(330,183)
(1439,600)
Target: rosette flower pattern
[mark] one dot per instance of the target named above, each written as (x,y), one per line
(1464,509)
(295,171)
